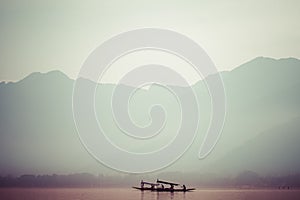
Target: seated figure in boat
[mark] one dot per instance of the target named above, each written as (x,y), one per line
(152,187)
(172,187)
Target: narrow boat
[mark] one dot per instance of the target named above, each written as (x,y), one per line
(159,186)
(165,189)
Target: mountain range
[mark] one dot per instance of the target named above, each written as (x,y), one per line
(261,131)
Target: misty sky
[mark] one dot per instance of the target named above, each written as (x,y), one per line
(59,35)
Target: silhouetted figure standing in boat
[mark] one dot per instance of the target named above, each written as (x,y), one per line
(172,188)
(184,188)
(142,184)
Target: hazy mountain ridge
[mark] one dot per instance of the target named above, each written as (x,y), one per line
(277,147)
(38,133)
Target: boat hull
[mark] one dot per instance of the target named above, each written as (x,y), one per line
(164,190)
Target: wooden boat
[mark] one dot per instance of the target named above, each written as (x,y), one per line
(154,187)
(165,189)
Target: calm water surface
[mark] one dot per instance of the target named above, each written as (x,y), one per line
(131,194)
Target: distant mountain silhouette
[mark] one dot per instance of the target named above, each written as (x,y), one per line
(38,134)
(274,151)
(262,94)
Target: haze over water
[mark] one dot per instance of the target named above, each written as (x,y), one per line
(131,194)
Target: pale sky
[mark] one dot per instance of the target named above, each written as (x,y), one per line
(59,35)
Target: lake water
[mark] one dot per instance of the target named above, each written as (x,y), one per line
(131,194)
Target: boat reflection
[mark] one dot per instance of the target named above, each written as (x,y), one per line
(148,195)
